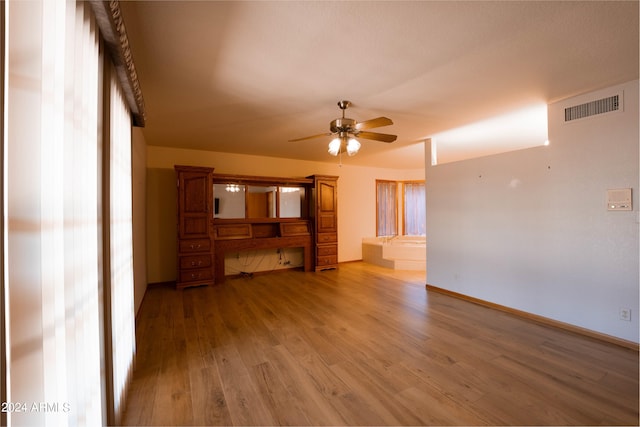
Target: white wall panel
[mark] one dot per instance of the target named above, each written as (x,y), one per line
(530,229)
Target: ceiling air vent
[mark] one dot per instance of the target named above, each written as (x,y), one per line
(600,106)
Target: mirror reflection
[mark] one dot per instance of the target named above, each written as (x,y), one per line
(237,201)
(229,200)
(261,201)
(291,202)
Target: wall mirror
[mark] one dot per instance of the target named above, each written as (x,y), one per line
(229,200)
(245,197)
(292,201)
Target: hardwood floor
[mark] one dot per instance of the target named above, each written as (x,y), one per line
(364,345)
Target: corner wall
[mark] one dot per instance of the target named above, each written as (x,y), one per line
(356,198)
(530,229)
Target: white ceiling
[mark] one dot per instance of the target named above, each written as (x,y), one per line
(245,77)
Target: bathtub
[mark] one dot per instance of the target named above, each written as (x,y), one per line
(398,253)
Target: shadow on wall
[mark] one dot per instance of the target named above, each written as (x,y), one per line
(161,225)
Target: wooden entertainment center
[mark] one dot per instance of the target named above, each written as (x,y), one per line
(218,214)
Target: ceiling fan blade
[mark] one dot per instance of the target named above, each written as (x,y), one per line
(311,137)
(374,123)
(384,137)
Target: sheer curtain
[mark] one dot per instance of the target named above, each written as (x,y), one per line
(387,208)
(414,209)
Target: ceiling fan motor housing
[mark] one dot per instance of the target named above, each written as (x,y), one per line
(343,124)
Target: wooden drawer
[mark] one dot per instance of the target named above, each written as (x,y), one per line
(325,250)
(232,231)
(327,237)
(195,261)
(196,275)
(195,245)
(295,229)
(323,261)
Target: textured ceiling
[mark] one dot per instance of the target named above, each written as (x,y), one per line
(246,77)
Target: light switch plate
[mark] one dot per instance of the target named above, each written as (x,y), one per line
(619,199)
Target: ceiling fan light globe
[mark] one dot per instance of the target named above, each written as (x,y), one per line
(334,146)
(353,146)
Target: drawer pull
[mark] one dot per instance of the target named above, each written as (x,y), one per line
(194,264)
(195,246)
(196,276)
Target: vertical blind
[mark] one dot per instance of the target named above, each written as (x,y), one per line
(414,209)
(52,209)
(53,219)
(81,218)
(121,240)
(387,211)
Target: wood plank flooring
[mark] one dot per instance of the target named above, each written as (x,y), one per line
(364,345)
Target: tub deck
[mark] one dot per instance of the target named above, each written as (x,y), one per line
(398,253)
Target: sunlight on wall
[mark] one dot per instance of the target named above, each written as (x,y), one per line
(516,130)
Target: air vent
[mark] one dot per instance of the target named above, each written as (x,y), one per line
(600,106)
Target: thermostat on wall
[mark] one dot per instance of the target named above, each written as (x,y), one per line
(619,199)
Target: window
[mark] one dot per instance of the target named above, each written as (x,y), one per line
(387,208)
(414,209)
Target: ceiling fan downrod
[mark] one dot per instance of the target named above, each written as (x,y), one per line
(344,124)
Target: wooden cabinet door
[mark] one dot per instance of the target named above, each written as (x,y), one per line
(327,209)
(194,204)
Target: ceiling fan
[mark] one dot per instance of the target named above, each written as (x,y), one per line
(347,130)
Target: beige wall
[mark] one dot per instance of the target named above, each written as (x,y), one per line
(356,197)
(138,190)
